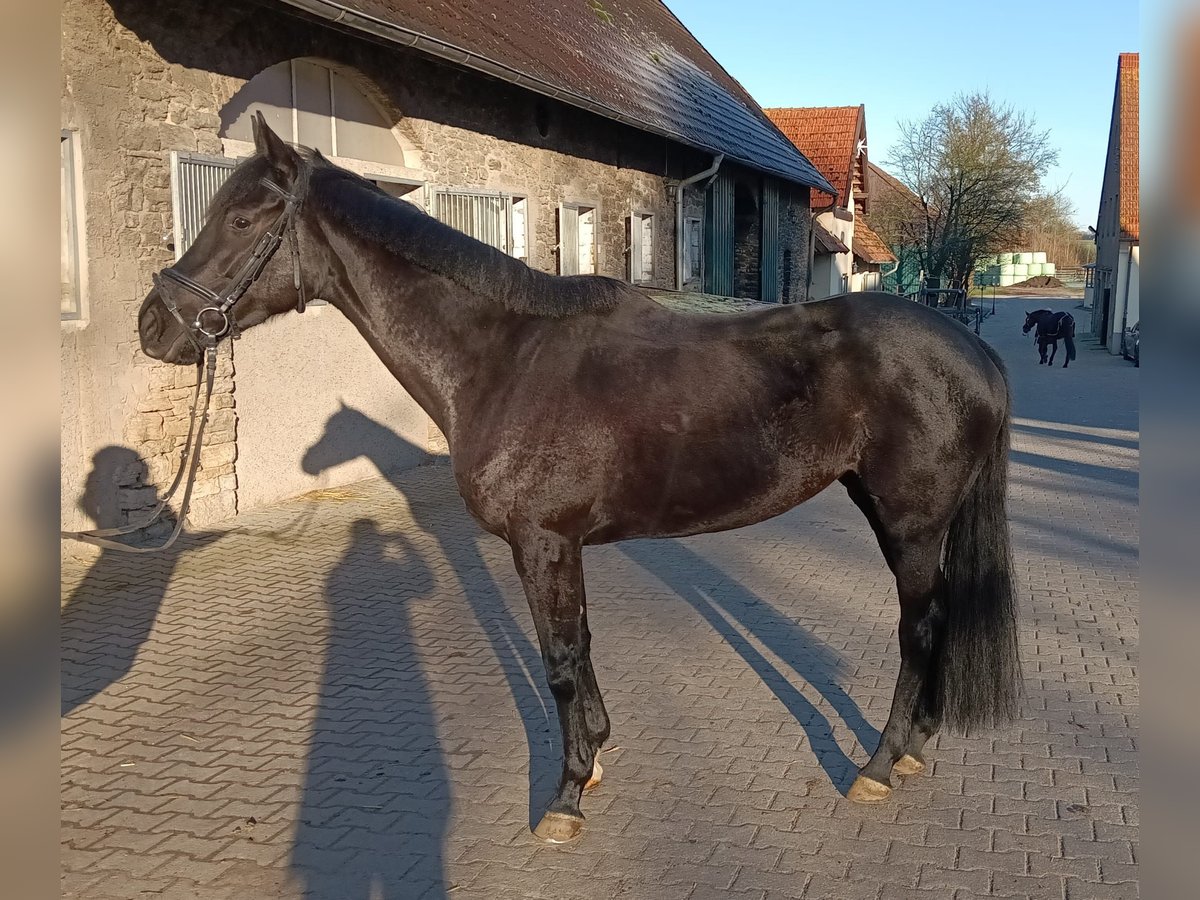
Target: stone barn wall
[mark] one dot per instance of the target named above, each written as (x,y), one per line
(141,80)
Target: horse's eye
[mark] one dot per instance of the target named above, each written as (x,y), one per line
(241,223)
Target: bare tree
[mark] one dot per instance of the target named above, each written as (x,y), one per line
(974,166)
(1049,225)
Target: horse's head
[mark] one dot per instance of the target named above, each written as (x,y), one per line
(1031,320)
(241,269)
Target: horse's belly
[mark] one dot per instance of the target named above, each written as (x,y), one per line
(701,506)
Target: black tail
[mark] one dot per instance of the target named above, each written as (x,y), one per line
(980,669)
(1069,337)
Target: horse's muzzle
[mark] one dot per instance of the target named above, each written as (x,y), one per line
(161,336)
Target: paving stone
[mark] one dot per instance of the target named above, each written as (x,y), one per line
(360,677)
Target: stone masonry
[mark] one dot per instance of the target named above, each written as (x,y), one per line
(342,699)
(141,80)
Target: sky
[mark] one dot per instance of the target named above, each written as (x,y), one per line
(1055,58)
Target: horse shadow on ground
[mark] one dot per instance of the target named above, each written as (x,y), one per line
(376,794)
(350,434)
(717,598)
(111,612)
(704,586)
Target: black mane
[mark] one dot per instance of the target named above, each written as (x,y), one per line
(371,213)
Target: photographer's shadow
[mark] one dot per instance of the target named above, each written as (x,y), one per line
(350,434)
(111,612)
(376,799)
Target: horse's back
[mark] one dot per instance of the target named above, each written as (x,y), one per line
(643,421)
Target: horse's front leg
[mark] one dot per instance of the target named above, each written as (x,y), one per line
(551,570)
(1053,350)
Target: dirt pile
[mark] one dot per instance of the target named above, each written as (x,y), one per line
(1041,281)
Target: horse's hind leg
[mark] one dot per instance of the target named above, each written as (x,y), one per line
(912,548)
(551,570)
(922,617)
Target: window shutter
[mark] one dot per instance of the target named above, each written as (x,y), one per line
(635,247)
(568,240)
(647,245)
(586,217)
(194,181)
(519,229)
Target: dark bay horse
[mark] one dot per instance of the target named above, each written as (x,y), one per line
(1050,327)
(579,412)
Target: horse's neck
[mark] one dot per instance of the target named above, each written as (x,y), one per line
(427,331)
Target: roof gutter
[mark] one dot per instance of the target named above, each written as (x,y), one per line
(710,172)
(337,14)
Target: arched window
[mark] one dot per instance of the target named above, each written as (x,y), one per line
(305,102)
(308,103)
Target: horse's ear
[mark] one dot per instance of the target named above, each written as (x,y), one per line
(283,159)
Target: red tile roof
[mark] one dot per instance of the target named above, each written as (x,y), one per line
(1127,97)
(868,246)
(627,60)
(827,135)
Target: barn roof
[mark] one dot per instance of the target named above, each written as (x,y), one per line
(1127,116)
(827,135)
(630,61)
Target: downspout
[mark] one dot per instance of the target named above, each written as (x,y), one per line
(710,172)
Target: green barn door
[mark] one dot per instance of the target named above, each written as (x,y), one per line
(770,242)
(718,237)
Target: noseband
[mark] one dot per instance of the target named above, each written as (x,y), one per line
(208,334)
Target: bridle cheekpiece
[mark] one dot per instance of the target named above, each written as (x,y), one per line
(215,320)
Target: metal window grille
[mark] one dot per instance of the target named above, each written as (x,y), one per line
(485,217)
(70,305)
(195,180)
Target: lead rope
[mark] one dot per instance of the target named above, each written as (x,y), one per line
(99,537)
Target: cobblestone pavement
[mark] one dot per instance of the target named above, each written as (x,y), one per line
(341,697)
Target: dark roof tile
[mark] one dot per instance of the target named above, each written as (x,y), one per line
(629,60)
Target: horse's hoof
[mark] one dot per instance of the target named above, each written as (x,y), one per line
(558,828)
(868,790)
(909,765)
(597,774)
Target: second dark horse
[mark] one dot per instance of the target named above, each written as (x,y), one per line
(578,411)
(1050,327)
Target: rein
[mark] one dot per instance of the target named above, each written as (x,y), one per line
(205,340)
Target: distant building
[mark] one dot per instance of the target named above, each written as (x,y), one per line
(891,197)
(577,139)
(849,255)
(1114,291)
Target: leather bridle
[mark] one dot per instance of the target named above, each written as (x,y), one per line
(205,336)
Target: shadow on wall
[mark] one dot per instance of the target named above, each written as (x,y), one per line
(376,800)
(350,434)
(718,598)
(110,614)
